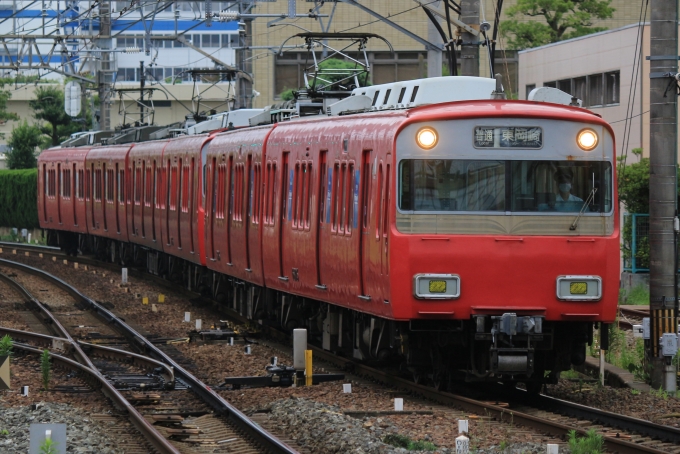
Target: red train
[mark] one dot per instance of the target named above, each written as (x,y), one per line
(466,236)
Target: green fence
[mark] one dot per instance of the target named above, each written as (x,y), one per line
(636,243)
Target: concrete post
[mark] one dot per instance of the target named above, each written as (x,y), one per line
(469,50)
(662,184)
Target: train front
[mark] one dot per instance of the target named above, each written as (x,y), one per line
(505,245)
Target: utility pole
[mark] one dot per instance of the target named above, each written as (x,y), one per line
(105,72)
(142,80)
(434,57)
(469,50)
(662,185)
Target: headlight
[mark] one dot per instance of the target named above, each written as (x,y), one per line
(579,288)
(426,138)
(587,139)
(436,286)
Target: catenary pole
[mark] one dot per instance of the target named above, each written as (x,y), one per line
(469,51)
(662,185)
(105,70)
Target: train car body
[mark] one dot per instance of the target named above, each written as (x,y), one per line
(62,193)
(473,239)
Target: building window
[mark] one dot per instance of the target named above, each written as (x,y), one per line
(528,89)
(611,87)
(564,85)
(595,92)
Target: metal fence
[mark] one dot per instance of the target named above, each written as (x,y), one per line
(635,246)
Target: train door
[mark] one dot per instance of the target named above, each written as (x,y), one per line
(364,250)
(168,171)
(211,207)
(286,195)
(105,199)
(190,202)
(74,185)
(324,192)
(153,201)
(60,191)
(178,197)
(249,197)
(385,267)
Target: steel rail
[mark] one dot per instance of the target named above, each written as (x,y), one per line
(666,433)
(267,440)
(507,415)
(97,350)
(14,245)
(145,427)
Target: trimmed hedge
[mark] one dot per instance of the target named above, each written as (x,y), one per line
(18,198)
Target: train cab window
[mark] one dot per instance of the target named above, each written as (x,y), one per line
(498,186)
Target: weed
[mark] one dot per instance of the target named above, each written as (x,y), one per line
(637,296)
(4,432)
(402,441)
(570,374)
(45,368)
(592,443)
(6,345)
(660,393)
(635,392)
(503,445)
(49,447)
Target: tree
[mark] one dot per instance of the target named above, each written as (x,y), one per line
(48,106)
(22,143)
(564,19)
(4,97)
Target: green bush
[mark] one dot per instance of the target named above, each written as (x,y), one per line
(18,198)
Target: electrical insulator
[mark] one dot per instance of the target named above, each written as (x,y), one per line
(228,15)
(132,50)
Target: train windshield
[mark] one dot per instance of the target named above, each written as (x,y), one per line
(454,185)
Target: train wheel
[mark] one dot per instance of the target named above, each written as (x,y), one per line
(418,376)
(534,387)
(440,373)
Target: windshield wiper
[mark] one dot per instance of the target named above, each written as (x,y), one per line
(589,199)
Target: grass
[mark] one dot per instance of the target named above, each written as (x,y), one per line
(6,345)
(45,368)
(620,354)
(592,443)
(402,441)
(637,296)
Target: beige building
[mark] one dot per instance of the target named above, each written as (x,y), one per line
(272,73)
(604,71)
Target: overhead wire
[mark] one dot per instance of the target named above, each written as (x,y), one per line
(632,91)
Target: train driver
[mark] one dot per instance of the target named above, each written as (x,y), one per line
(565,200)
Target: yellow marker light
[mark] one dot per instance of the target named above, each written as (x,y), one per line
(437,287)
(426,138)
(578,288)
(587,139)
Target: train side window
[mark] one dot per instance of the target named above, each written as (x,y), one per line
(386,203)
(378,201)
(88,176)
(334,197)
(308,198)
(351,194)
(344,190)
(173,188)
(98,185)
(66,183)
(185,189)
(221,176)
(45,179)
(296,192)
(121,185)
(255,197)
(109,185)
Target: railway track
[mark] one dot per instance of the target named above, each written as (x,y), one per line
(174,410)
(546,415)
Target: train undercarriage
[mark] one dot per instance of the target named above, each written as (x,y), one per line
(505,347)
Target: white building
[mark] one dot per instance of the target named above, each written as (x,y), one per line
(608,71)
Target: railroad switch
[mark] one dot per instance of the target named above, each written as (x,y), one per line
(277,375)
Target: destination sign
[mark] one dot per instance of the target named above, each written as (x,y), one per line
(508,137)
